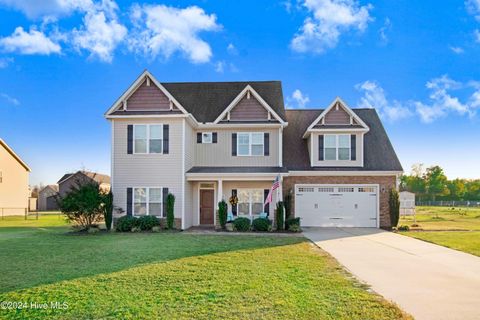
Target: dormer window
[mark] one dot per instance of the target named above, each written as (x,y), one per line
(337,147)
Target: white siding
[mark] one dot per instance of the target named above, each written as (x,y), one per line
(147,170)
(189,162)
(220,154)
(14,185)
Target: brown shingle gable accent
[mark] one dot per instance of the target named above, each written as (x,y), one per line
(337,115)
(148,97)
(248,109)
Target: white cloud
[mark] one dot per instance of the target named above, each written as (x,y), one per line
(101,33)
(457,50)
(47,8)
(162,30)
(5,62)
(440,104)
(220,66)
(476,33)
(328,20)
(298,100)
(374,97)
(387,25)
(473,7)
(232,49)
(32,42)
(10,99)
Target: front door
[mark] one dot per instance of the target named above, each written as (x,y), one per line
(206,207)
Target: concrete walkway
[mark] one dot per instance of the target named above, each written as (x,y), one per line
(426,280)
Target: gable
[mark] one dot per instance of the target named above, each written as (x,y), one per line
(148,97)
(10,153)
(337,115)
(248,108)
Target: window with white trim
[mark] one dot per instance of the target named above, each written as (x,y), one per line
(250,143)
(250,202)
(147,201)
(147,138)
(336,147)
(207,137)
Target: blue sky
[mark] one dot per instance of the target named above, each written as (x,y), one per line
(63,63)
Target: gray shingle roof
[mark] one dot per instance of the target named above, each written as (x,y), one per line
(207,100)
(379,154)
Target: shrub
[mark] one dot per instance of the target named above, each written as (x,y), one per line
(287,203)
(403,228)
(156,229)
(261,224)
(93,230)
(394,204)
(136,229)
(170,213)
(279,217)
(241,224)
(222,213)
(126,223)
(83,204)
(108,210)
(147,222)
(293,224)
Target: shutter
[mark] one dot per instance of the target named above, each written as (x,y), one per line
(353,147)
(320,147)
(165,138)
(164,201)
(129,201)
(267,206)
(266,144)
(129,139)
(234,144)
(199,137)
(214,137)
(234,208)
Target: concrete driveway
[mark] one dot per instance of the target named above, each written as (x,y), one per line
(425,280)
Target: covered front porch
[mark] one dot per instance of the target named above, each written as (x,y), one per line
(250,191)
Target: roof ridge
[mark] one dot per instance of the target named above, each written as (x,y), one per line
(210,82)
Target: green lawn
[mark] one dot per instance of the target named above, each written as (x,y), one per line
(456,228)
(467,241)
(176,275)
(445,218)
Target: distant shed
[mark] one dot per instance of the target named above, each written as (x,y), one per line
(407,203)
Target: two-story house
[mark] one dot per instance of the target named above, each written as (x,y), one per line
(208,141)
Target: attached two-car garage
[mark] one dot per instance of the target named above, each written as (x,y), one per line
(337,205)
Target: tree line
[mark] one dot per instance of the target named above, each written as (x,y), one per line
(432,184)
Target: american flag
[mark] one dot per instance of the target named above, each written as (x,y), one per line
(275,186)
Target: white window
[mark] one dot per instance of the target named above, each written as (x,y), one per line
(147,201)
(148,138)
(250,144)
(250,202)
(336,147)
(207,137)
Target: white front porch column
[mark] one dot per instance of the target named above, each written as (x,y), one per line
(219,190)
(280,190)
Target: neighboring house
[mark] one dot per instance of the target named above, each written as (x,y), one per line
(47,198)
(208,141)
(70,180)
(14,189)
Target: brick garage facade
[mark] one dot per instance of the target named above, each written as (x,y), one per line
(386,183)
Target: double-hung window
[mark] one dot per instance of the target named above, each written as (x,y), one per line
(147,201)
(250,202)
(250,144)
(148,138)
(337,147)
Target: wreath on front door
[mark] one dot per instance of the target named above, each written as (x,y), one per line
(233,200)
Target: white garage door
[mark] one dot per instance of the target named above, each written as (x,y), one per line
(336,205)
